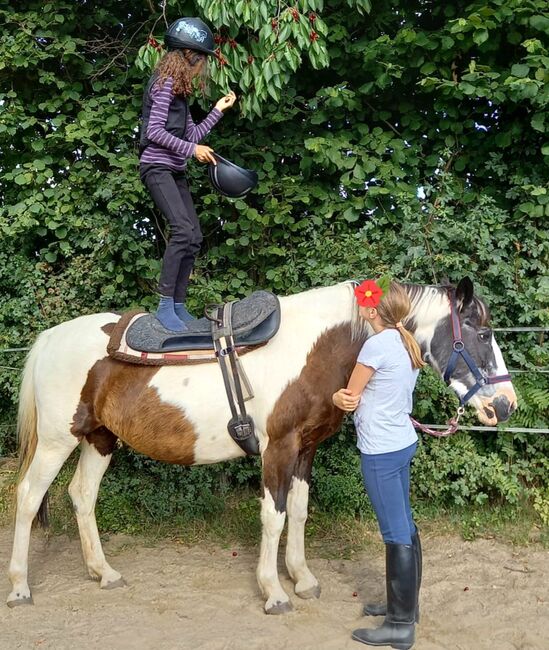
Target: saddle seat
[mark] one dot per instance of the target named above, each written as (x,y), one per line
(255,320)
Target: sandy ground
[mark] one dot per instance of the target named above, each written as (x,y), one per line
(476,595)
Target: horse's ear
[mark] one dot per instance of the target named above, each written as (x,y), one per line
(464,292)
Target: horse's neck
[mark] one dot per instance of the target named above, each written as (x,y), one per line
(307,315)
(317,333)
(429,305)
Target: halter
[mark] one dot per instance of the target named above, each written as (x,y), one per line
(458,350)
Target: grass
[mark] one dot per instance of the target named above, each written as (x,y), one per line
(238,523)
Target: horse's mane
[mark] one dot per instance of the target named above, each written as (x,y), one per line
(418,293)
(480,307)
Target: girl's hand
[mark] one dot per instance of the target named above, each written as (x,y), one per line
(226,102)
(204,154)
(345,400)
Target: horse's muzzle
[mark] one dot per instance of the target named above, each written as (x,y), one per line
(503,408)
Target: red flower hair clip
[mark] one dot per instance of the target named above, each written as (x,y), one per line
(370,292)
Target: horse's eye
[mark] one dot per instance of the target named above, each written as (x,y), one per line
(485,335)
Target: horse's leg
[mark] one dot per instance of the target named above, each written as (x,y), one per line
(306,585)
(83,492)
(278,464)
(46,463)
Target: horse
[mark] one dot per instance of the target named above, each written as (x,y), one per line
(74,394)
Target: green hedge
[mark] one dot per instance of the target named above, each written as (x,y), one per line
(415,145)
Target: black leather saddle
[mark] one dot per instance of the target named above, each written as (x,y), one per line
(255,320)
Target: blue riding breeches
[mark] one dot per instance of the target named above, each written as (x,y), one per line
(387,483)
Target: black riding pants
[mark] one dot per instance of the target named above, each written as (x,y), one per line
(170,192)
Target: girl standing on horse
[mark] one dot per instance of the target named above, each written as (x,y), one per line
(169,138)
(380,393)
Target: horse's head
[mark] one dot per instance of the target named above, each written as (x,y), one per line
(457,341)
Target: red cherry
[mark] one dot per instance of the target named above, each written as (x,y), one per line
(235,553)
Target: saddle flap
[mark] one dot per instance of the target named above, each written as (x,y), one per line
(255,320)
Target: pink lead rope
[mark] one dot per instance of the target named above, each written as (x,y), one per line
(453,425)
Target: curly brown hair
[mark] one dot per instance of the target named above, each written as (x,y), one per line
(183,66)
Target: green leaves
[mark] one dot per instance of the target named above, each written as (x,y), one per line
(392,143)
(260,44)
(149,55)
(520,70)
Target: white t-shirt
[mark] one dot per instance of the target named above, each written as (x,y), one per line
(382,417)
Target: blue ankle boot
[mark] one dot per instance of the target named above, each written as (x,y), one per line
(167,316)
(182,313)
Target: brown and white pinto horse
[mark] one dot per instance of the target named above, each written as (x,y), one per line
(74,394)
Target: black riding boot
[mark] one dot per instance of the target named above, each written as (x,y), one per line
(380,609)
(398,629)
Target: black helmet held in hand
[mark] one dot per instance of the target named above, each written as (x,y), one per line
(190,33)
(230,179)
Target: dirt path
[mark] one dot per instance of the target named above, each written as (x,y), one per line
(477,595)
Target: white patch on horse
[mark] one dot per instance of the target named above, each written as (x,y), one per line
(83,491)
(459,388)
(501,368)
(62,377)
(306,585)
(267,572)
(428,308)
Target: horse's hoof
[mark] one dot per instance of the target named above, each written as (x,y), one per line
(279,608)
(115,584)
(312,592)
(20,601)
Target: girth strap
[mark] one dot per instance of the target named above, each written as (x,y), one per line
(241,425)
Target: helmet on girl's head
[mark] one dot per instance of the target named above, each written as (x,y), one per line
(190,33)
(230,179)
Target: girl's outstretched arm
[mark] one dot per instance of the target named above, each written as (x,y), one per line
(197,132)
(347,399)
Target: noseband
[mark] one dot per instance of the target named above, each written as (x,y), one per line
(458,350)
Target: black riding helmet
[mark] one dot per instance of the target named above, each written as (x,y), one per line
(230,179)
(190,33)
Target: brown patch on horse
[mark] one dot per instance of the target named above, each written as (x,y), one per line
(108,328)
(103,440)
(117,400)
(304,415)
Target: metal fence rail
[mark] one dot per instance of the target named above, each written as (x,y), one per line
(467,427)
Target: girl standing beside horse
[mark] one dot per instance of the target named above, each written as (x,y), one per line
(379,392)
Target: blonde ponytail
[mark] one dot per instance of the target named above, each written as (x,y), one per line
(395,306)
(411,346)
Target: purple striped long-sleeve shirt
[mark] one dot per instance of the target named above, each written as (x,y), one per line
(168,149)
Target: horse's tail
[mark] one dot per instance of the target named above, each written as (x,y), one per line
(27,434)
